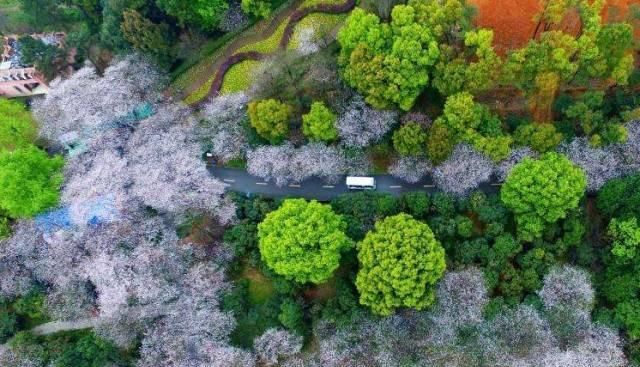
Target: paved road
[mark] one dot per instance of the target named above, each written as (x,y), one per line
(316,188)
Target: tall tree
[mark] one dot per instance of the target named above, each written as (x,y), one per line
(303,240)
(542,191)
(400,263)
(30,181)
(17,126)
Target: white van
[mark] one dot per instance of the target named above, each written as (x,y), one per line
(361,183)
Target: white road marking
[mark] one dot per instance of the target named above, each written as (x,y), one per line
(293,185)
(261,183)
(496,184)
(328,187)
(395,187)
(228,180)
(428,186)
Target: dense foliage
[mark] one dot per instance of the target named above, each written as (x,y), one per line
(400,262)
(303,240)
(541,191)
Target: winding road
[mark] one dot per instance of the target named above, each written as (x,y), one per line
(315,188)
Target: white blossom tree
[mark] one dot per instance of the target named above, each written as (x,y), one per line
(86,102)
(463,171)
(285,164)
(275,344)
(567,287)
(361,125)
(222,126)
(410,169)
(600,164)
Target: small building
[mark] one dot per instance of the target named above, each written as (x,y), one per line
(17,79)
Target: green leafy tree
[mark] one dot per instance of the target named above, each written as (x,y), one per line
(620,197)
(146,36)
(17,126)
(204,14)
(270,118)
(440,142)
(388,63)
(625,235)
(302,240)
(88,351)
(587,116)
(410,139)
(476,69)
(258,8)
(291,315)
(540,137)
(540,192)
(320,123)
(30,181)
(473,123)
(400,263)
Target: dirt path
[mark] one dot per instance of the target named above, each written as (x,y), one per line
(58,326)
(256,33)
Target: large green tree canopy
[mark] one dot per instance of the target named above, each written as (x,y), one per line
(540,192)
(388,62)
(303,240)
(29,181)
(400,262)
(17,127)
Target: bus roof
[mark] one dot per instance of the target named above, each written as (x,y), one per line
(360,181)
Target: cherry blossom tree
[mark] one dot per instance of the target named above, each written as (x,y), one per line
(86,102)
(285,164)
(599,164)
(410,169)
(222,126)
(464,171)
(361,125)
(275,344)
(567,287)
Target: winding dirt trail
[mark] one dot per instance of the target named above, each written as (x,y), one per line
(293,15)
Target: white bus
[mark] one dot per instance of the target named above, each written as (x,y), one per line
(361,183)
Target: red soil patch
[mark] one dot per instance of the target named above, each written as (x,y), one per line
(514,24)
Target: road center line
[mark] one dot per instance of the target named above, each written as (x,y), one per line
(261,183)
(428,186)
(293,185)
(496,184)
(328,187)
(395,187)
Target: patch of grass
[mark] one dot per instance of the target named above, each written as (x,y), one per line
(267,45)
(310,3)
(319,22)
(239,77)
(381,154)
(236,163)
(200,93)
(260,287)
